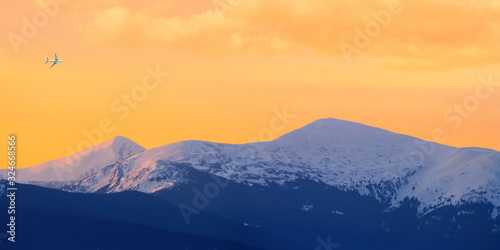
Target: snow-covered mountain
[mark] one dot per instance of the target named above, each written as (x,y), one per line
(79,165)
(347,155)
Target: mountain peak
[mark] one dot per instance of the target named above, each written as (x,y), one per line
(82,163)
(336,130)
(333,123)
(120,139)
(122,147)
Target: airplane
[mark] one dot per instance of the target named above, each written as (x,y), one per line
(54,61)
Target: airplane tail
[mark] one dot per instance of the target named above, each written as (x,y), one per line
(47,60)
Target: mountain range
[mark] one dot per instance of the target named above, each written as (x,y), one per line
(328,179)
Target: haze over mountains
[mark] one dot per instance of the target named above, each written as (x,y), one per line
(328,177)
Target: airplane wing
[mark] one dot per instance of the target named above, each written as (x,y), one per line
(56,57)
(53,64)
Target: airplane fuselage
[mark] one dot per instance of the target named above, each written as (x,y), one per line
(55,61)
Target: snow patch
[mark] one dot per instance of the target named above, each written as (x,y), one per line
(337,212)
(306,207)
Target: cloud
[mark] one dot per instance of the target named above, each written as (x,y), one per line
(426,34)
(203,34)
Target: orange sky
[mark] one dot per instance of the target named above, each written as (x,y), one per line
(231,69)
